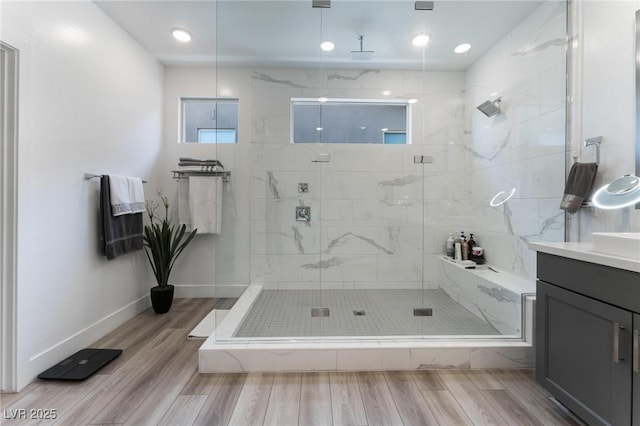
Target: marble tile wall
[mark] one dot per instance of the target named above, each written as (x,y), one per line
(369,225)
(366,228)
(522,148)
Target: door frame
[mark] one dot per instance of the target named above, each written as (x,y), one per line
(9,62)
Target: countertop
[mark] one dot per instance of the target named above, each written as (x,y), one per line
(585,252)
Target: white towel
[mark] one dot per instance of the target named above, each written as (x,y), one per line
(127,195)
(205,203)
(184,216)
(136,195)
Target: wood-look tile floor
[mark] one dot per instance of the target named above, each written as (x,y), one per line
(156,381)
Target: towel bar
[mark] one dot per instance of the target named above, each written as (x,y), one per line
(93,176)
(184,174)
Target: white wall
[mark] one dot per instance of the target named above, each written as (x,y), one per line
(605,105)
(212,265)
(90,101)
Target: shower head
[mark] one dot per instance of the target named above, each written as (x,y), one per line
(361,55)
(490,108)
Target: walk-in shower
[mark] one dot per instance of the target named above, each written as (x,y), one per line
(345,247)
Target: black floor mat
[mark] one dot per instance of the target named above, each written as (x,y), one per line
(81,365)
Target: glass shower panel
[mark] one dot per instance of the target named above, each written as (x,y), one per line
(371,239)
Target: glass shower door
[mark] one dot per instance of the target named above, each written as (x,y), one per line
(371,240)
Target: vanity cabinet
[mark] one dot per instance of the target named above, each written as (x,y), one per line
(587,322)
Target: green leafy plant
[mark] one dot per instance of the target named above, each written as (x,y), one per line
(163,241)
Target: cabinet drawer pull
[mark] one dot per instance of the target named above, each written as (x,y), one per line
(636,352)
(616,342)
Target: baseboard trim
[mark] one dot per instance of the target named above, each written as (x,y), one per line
(84,337)
(187,291)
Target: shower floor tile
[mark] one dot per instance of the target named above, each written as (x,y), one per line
(287,313)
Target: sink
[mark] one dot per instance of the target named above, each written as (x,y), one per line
(623,244)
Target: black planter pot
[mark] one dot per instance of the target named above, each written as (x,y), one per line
(161,299)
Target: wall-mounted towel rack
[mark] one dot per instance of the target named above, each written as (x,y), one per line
(184,174)
(93,176)
(595,141)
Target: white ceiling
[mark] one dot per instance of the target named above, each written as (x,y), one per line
(288,33)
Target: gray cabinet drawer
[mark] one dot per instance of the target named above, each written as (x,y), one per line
(615,286)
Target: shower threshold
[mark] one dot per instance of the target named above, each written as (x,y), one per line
(223,351)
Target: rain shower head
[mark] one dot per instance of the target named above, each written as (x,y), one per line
(490,108)
(361,55)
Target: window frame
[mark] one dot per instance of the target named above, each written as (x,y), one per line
(219,99)
(363,101)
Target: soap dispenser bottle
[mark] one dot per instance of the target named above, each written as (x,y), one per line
(450,249)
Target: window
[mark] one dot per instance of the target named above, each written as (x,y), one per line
(209,120)
(217,135)
(394,138)
(350,121)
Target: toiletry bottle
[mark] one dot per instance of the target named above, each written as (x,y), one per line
(472,244)
(465,249)
(450,249)
(457,241)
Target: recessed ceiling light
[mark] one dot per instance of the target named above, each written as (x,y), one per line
(384,129)
(412,101)
(322,99)
(363,127)
(327,46)
(181,34)
(319,129)
(420,40)
(462,48)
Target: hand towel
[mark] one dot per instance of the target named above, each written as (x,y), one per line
(205,203)
(127,195)
(119,192)
(579,184)
(136,195)
(118,234)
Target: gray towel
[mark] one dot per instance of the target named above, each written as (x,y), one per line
(118,234)
(579,185)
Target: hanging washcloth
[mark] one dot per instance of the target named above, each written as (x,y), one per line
(119,191)
(136,195)
(578,186)
(205,203)
(127,195)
